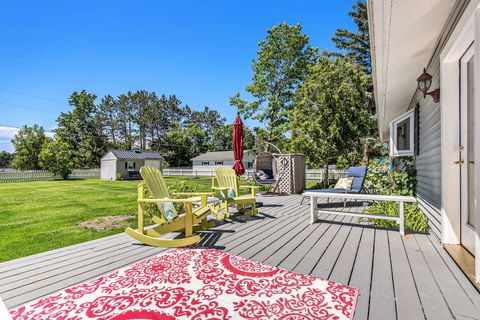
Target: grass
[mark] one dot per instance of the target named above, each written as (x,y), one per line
(45,215)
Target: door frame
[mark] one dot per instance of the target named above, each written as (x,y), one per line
(467,233)
(466,32)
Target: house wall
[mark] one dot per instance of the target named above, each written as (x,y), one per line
(124,172)
(197,165)
(248,158)
(108,169)
(154,163)
(428,161)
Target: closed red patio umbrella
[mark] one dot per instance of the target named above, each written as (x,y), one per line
(238,146)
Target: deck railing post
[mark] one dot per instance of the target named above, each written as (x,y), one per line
(313,207)
(401,222)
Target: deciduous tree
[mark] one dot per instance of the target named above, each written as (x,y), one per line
(6,159)
(56,158)
(81,129)
(282,64)
(28,144)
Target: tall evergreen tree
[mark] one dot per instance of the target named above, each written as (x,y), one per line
(108,112)
(330,116)
(355,45)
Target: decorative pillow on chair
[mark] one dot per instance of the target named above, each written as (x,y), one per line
(169,210)
(230,194)
(261,175)
(344,184)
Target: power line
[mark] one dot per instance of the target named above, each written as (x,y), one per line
(26,107)
(32,96)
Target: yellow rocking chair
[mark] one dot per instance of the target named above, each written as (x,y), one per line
(154,182)
(226,179)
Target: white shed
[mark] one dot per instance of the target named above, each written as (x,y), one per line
(125,164)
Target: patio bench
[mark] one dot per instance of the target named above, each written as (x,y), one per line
(360,196)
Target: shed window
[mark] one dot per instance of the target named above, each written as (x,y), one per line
(205,163)
(131,166)
(402,135)
(219,163)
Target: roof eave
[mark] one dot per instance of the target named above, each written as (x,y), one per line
(379,107)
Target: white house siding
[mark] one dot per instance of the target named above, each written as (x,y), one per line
(154,163)
(197,165)
(248,157)
(428,161)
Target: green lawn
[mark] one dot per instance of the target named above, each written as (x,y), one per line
(44,215)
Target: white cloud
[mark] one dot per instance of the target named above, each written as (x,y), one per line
(7,133)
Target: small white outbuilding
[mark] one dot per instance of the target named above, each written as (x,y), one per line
(125,164)
(215,159)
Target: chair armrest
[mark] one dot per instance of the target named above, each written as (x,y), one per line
(220,188)
(193,193)
(249,187)
(166,200)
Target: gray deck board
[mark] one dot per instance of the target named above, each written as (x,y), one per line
(408,304)
(396,278)
(382,296)
(361,277)
(433,302)
(453,292)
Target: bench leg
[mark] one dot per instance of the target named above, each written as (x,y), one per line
(401,222)
(313,208)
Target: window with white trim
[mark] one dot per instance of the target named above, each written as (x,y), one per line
(219,163)
(402,135)
(205,163)
(131,166)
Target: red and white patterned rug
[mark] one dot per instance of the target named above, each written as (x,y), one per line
(197,284)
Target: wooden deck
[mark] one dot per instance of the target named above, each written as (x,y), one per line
(410,278)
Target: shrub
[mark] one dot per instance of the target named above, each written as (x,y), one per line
(56,158)
(398,181)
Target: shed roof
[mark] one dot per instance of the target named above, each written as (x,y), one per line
(135,154)
(216,156)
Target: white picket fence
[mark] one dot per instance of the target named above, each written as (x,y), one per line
(312,174)
(43,175)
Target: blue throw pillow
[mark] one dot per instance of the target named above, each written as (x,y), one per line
(230,194)
(169,210)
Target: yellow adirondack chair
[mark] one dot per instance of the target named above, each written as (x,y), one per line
(154,182)
(226,179)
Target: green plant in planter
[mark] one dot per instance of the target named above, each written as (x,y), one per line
(400,181)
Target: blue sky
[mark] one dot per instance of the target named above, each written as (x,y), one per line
(199,50)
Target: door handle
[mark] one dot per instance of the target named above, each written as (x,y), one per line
(460,149)
(460,162)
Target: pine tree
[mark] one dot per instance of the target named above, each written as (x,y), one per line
(355,45)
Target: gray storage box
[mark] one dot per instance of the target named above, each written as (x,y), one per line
(292,173)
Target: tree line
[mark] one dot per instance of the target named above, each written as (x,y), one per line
(135,120)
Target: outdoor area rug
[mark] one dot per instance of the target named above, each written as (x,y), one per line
(197,284)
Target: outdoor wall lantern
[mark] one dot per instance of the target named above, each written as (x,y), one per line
(424,83)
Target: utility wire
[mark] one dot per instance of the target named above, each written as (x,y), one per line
(32,96)
(26,107)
